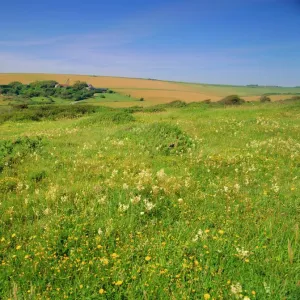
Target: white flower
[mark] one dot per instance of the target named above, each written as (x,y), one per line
(149,205)
(237,186)
(236,289)
(161,174)
(100,232)
(180,200)
(200,235)
(135,199)
(125,186)
(226,189)
(123,207)
(242,253)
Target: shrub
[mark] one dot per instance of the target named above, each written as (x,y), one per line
(232,100)
(164,138)
(141,99)
(265,98)
(176,104)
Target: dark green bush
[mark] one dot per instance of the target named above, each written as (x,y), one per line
(164,138)
(265,98)
(232,100)
(176,104)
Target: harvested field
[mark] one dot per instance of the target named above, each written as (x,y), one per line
(156,91)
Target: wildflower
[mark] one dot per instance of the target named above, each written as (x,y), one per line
(125,186)
(81,286)
(246,298)
(104,261)
(253,293)
(180,200)
(13,235)
(149,205)
(147,258)
(101,291)
(206,296)
(3,239)
(123,207)
(200,234)
(100,232)
(161,174)
(236,289)
(221,231)
(242,253)
(135,199)
(114,255)
(119,282)
(225,189)
(18,247)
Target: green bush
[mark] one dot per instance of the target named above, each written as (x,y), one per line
(164,138)
(48,112)
(265,98)
(232,100)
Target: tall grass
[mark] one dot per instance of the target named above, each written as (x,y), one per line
(196,202)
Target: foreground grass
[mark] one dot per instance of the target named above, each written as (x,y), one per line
(190,203)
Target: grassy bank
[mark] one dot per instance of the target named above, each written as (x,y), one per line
(194,202)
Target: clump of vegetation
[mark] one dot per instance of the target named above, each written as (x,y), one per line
(165,138)
(50,88)
(13,151)
(47,112)
(265,98)
(108,115)
(176,104)
(232,100)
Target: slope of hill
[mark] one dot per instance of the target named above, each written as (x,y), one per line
(156,91)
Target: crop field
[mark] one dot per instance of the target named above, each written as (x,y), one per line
(156,91)
(178,201)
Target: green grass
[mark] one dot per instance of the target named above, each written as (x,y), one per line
(115,97)
(243,90)
(186,203)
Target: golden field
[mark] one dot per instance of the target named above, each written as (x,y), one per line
(156,91)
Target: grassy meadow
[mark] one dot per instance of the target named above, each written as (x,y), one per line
(192,202)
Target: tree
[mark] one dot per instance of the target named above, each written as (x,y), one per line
(79,85)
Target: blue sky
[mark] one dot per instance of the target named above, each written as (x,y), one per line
(216,41)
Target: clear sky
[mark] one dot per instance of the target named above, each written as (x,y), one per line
(215,41)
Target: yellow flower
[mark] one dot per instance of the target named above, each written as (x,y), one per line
(81,286)
(119,282)
(114,255)
(3,239)
(13,235)
(101,291)
(99,246)
(147,258)
(206,296)
(104,261)
(221,231)
(253,293)
(18,247)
